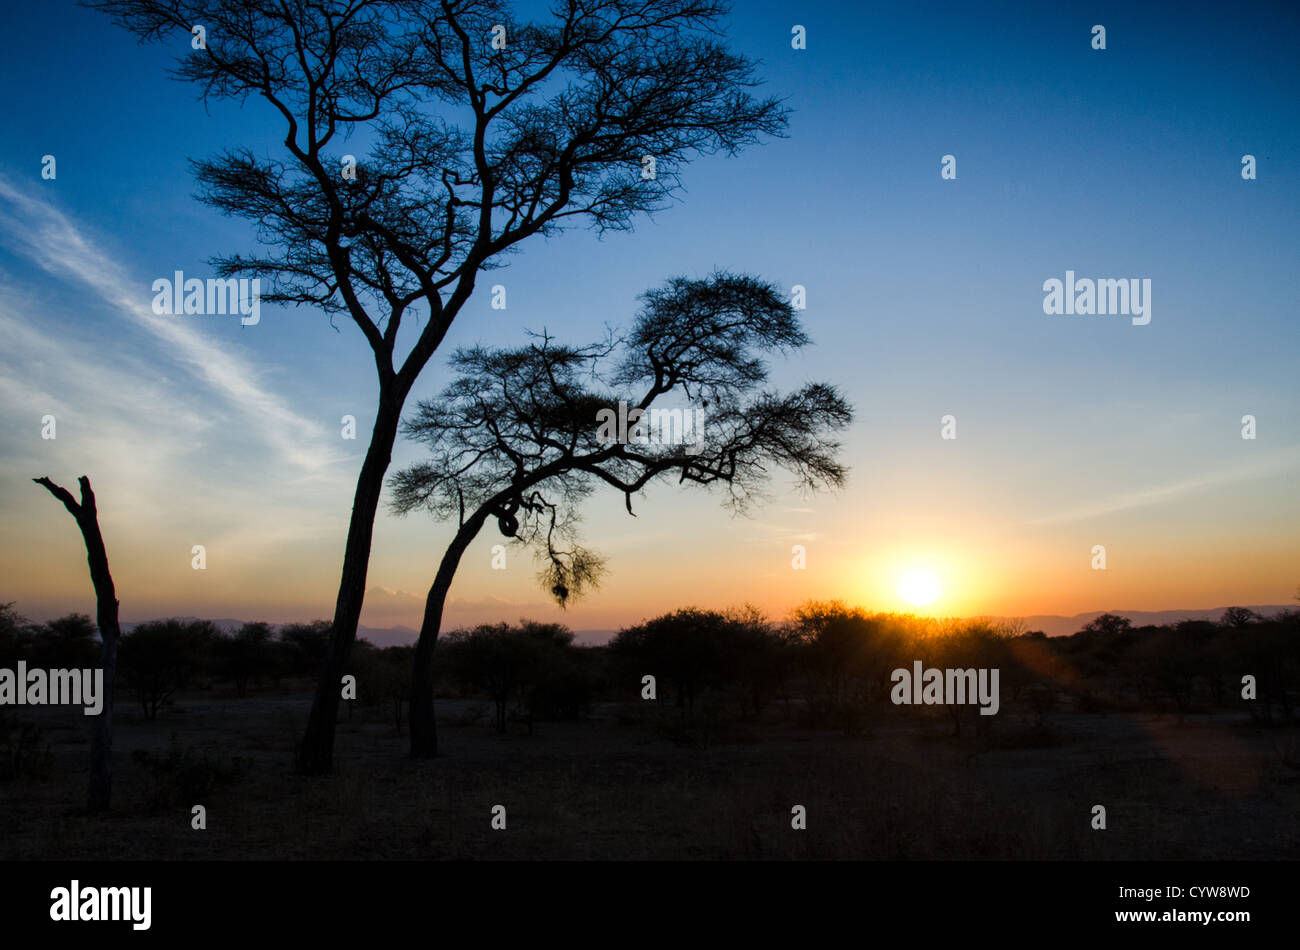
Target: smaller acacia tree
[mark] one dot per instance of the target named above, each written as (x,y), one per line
(68,642)
(518,437)
(244,655)
(86,514)
(162,656)
(511,663)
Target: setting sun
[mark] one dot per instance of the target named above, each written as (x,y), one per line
(919,588)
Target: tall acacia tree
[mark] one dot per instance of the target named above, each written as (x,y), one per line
(518,437)
(480,131)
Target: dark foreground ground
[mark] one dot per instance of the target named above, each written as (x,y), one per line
(620,785)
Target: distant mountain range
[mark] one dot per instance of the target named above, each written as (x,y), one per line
(1054,625)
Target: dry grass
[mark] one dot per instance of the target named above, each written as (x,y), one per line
(617,786)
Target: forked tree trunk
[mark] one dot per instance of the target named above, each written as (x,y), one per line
(424,732)
(101,729)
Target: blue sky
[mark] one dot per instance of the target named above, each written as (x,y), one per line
(924,298)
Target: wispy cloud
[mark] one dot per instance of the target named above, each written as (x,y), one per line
(1172,491)
(42,233)
(782,532)
(102,405)
(184,441)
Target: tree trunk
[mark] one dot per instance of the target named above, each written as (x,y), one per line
(101,729)
(424,733)
(316,753)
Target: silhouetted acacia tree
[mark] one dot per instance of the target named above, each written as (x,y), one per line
(848,655)
(1269,649)
(162,656)
(755,655)
(388,677)
(508,662)
(835,639)
(975,644)
(684,650)
(1238,617)
(689,651)
(516,438)
(101,735)
(16,634)
(67,643)
(305,646)
(473,147)
(245,655)
(1108,625)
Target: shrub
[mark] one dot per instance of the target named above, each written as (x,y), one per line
(185,775)
(23,751)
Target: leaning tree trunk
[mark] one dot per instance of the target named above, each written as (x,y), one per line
(424,732)
(316,753)
(101,734)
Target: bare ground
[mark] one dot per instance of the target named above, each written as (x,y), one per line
(616,787)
